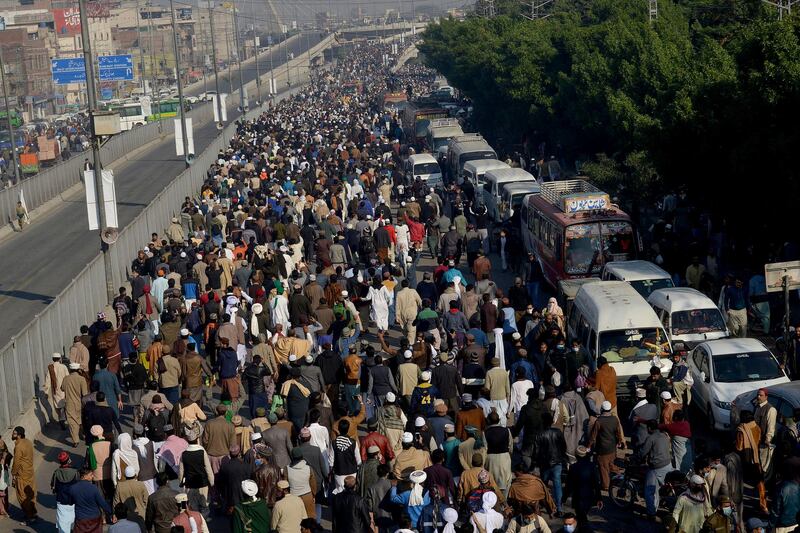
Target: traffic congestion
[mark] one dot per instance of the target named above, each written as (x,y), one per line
(371,319)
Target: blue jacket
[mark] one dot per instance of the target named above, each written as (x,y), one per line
(89,503)
(422,399)
(414,511)
(228,363)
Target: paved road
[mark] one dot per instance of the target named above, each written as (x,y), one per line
(28,279)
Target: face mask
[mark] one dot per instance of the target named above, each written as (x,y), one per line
(569,528)
(727,511)
(575,349)
(560,346)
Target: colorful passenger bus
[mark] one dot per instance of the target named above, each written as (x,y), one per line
(165,109)
(573,229)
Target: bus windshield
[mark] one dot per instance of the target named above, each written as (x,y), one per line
(594,243)
(636,344)
(128,111)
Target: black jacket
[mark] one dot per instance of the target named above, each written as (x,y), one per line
(530,419)
(447,380)
(351,513)
(551,448)
(254,377)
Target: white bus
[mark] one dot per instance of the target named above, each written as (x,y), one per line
(132,114)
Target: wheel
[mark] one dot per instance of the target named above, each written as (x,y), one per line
(623,493)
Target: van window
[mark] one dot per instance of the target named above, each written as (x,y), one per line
(592,343)
(426,168)
(573,322)
(633,344)
(488,187)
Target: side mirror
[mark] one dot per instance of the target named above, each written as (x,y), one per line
(704,378)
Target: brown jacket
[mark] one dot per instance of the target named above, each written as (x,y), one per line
(747,438)
(172,376)
(469,482)
(527,488)
(469,417)
(606,382)
(218,437)
(194,367)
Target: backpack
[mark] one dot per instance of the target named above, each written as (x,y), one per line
(161,365)
(367,244)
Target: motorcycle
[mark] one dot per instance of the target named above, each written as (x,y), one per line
(627,488)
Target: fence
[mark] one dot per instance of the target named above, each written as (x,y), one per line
(51,182)
(24,359)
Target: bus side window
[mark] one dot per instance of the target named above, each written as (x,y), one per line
(536,225)
(557,244)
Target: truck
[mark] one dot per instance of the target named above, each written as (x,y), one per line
(441,130)
(416,120)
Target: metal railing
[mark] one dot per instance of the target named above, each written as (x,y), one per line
(24,359)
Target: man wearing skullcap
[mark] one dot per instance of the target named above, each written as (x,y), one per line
(133,494)
(74,387)
(252,512)
(288,510)
(228,481)
(56,372)
(63,478)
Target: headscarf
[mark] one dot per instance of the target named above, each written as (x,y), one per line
(125,452)
(473,432)
(450,516)
(417,477)
(553,308)
(499,347)
(257,310)
(148,303)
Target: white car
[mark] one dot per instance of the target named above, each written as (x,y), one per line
(725,368)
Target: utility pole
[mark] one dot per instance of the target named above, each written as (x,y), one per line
(11,135)
(186,156)
(286,50)
(242,103)
(139,42)
(98,164)
(538,9)
(214,60)
(153,88)
(272,86)
(784,6)
(652,10)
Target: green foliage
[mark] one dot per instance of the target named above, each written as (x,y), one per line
(707,96)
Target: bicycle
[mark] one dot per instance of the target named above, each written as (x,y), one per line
(627,488)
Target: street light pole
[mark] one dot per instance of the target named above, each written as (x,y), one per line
(181,109)
(242,102)
(11,136)
(139,42)
(98,164)
(214,60)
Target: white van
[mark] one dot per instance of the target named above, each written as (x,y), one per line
(424,166)
(467,147)
(689,315)
(512,194)
(643,276)
(493,180)
(611,319)
(475,170)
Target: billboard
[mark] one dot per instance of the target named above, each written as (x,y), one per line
(67,21)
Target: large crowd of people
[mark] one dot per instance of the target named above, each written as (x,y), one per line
(307,342)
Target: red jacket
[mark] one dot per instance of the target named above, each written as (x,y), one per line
(415,230)
(376,439)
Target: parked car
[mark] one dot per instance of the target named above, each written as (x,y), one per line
(784,397)
(725,368)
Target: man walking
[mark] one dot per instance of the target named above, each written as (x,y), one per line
(74,387)
(22,475)
(56,372)
(89,504)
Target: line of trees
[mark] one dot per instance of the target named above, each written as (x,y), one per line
(706,97)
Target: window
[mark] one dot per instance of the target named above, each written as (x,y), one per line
(697,321)
(592,343)
(634,344)
(487,187)
(743,367)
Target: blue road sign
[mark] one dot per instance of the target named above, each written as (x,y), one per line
(71,70)
(116,68)
(106,94)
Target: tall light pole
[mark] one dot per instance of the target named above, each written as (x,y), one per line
(272,86)
(139,42)
(11,136)
(214,60)
(186,156)
(236,36)
(98,164)
(154,84)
